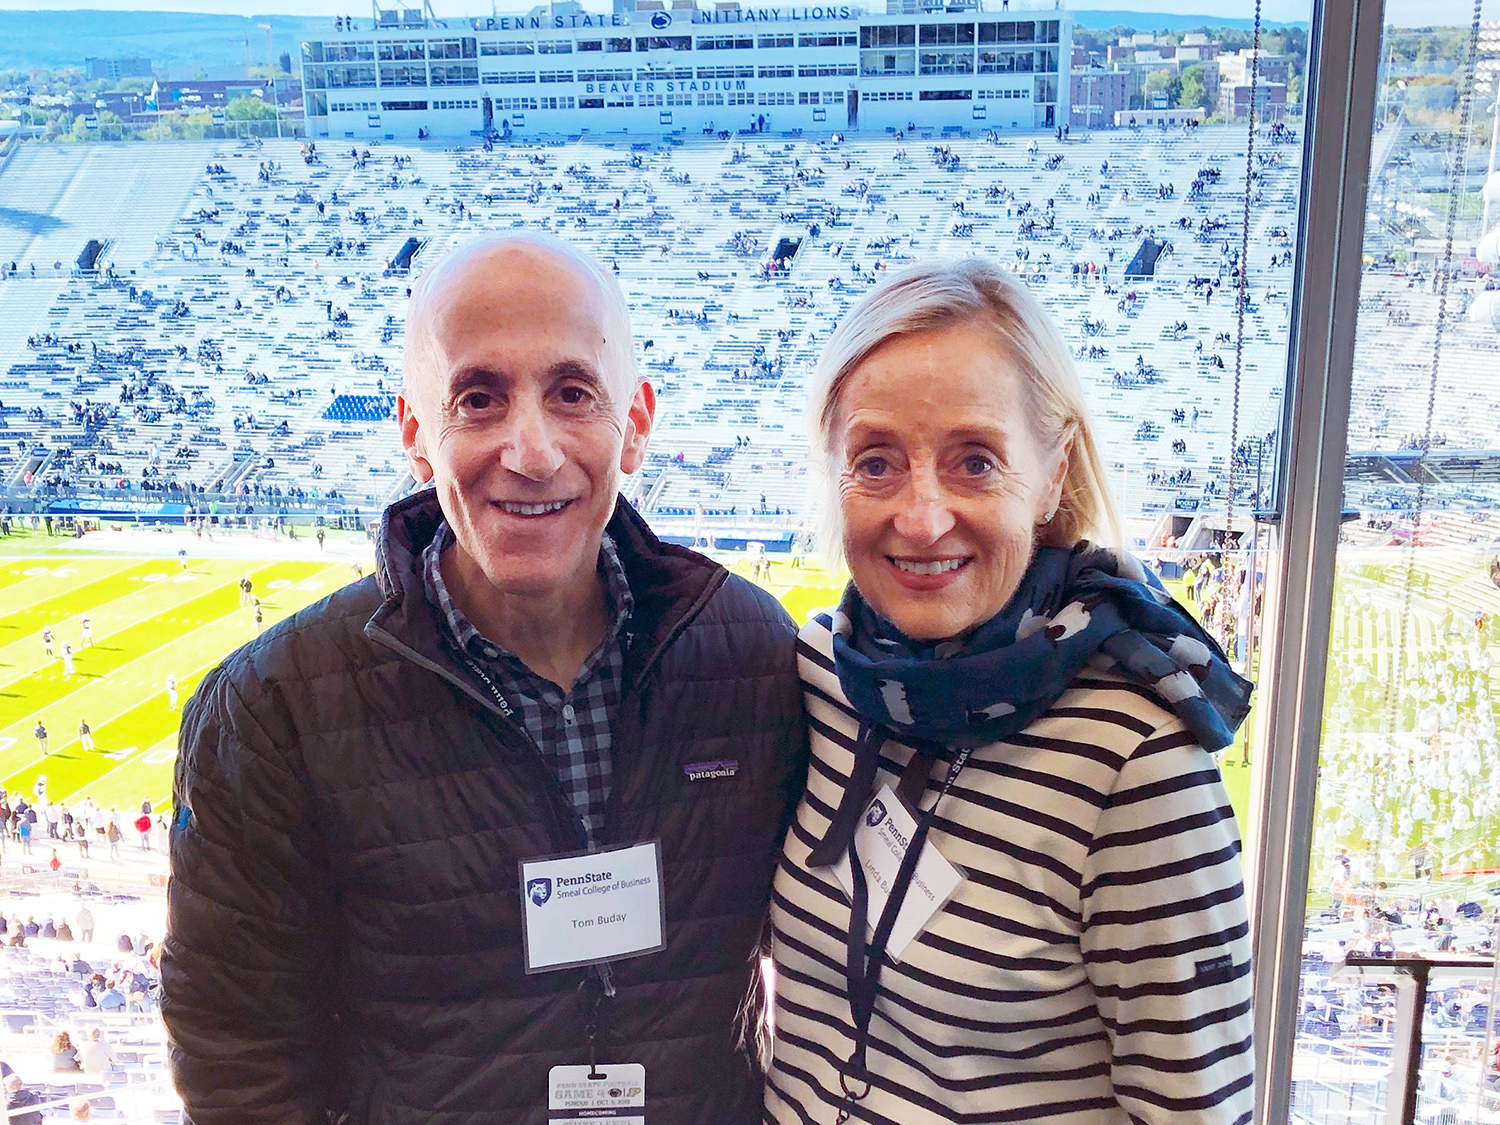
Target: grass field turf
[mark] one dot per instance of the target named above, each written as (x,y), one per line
(150,617)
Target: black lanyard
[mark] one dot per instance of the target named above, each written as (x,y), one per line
(864,962)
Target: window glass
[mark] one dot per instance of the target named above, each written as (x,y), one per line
(1406,845)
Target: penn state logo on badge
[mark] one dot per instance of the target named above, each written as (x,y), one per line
(539,890)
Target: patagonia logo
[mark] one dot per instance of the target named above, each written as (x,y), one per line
(1216,965)
(706,771)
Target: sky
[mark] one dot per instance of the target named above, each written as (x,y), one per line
(1403,13)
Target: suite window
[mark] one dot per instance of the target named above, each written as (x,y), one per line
(896,35)
(402,51)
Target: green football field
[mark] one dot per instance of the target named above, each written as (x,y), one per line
(149,618)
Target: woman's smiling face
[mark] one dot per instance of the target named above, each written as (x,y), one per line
(942,483)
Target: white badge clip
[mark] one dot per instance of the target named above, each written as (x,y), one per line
(594,907)
(577,1095)
(881,839)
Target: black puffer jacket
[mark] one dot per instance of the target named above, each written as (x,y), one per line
(344,930)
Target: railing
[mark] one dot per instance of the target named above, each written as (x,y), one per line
(1412,974)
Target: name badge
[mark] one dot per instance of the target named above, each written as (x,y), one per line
(579,1094)
(600,906)
(883,835)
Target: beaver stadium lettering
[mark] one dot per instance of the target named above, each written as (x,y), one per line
(670,87)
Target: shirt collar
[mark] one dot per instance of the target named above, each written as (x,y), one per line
(619,602)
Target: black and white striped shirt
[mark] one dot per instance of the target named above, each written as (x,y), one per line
(1094,967)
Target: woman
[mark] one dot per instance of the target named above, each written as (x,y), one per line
(64,1054)
(1011,726)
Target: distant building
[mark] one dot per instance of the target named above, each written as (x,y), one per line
(1234,70)
(1270,101)
(112,70)
(695,66)
(1098,95)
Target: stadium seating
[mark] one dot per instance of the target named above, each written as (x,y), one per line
(259,326)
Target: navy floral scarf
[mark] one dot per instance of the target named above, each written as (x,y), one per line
(1072,604)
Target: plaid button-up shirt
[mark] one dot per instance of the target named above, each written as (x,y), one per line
(572,728)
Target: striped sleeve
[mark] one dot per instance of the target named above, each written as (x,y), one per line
(1165,938)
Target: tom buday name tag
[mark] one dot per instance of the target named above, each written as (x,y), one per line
(600,906)
(579,1094)
(881,840)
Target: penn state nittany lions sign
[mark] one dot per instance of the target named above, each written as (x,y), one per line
(661,21)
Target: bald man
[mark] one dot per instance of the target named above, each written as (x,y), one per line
(488,837)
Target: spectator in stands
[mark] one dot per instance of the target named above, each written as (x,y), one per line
(64,1054)
(18,1097)
(49,927)
(81,1109)
(518,605)
(95,1054)
(110,998)
(85,919)
(967,660)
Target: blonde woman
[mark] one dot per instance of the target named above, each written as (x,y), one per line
(1012,891)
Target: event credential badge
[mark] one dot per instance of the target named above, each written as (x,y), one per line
(884,832)
(577,1095)
(599,906)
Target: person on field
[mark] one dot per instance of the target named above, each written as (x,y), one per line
(143,827)
(171,692)
(47,641)
(85,735)
(88,632)
(529,672)
(41,737)
(67,659)
(182,557)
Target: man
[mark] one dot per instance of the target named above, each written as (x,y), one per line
(95,1054)
(529,673)
(41,737)
(85,735)
(85,924)
(18,1097)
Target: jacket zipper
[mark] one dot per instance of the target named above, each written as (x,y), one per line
(500,707)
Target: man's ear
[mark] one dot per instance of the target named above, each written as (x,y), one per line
(411,440)
(638,421)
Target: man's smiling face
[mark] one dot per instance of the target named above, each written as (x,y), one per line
(522,409)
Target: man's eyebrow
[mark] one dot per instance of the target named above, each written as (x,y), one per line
(577,369)
(467,378)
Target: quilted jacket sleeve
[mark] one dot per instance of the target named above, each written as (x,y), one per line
(247,962)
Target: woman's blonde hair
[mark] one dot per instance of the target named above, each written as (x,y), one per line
(944,294)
